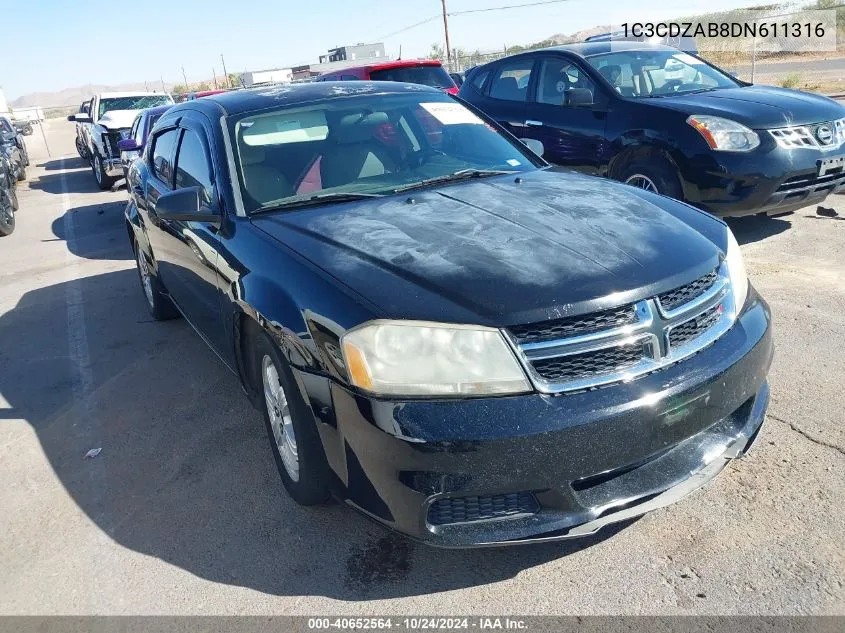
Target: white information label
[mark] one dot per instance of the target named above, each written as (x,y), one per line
(451,113)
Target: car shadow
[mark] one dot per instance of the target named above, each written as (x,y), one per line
(76,175)
(186,473)
(99,231)
(754,228)
(60,164)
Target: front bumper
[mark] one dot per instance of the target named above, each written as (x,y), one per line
(586,459)
(113,167)
(770,180)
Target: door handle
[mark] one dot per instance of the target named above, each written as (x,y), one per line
(533,123)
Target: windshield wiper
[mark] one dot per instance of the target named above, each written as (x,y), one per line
(463,174)
(316,199)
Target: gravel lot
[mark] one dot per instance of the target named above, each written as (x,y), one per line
(183,513)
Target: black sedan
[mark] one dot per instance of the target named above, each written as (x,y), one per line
(458,342)
(669,122)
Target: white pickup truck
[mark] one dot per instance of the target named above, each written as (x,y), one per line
(107,121)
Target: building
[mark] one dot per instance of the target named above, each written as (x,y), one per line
(342,57)
(269,76)
(354,53)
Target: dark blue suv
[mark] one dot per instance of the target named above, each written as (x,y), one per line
(667,121)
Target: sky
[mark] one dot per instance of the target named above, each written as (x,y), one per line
(57,44)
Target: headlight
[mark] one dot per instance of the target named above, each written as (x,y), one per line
(736,271)
(724,135)
(418,358)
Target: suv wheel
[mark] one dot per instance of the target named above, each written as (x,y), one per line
(81,149)
(294,440)
(655,175)
(104,182)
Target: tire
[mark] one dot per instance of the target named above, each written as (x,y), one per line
(655,174)
(22,174)
(7,214)
(104,182)
(302,466)
(82,150)
(158,303)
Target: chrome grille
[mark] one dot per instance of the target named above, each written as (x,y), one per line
(807,136)
(593,363)
(571,326)
(688,330)
(686,293)
(664,329)
(483,508)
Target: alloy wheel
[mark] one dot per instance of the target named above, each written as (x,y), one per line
(146,280)
(642,182)
(278,410)
(98,174)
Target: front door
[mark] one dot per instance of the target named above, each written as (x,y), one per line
(568,114)
(507,96)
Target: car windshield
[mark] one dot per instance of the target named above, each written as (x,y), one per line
(433,76)
(365,145)
(131,103)
(658,73)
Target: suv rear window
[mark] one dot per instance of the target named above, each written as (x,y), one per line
(427,75)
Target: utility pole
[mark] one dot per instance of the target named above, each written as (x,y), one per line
(161,79)
(225,74)
(185,77)
(214,72)
(446,30)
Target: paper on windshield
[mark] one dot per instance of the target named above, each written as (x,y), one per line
(451,113)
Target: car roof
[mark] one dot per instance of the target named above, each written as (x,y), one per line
(293,95)
(157,109)
(588,49)
(400,63)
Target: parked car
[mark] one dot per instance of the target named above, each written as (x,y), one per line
(23,127)
(108,120)
(669,122)
(13,145)
(8,196)
(458,78)
(428,72)
(81,143)
(132,146)
(462,344)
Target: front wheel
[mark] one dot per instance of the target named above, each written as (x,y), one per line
(22,174)
(293,435)
(656,175)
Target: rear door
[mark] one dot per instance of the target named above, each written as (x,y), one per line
(506,93)
(568,114)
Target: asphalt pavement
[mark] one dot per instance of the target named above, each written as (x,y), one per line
(182,510)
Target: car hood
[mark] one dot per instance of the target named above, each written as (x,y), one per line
(118,119)
(500,252)
(759,107)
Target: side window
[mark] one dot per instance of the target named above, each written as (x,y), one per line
(136,125)
(163,155)
(348,78)
(557,78)
(479,78)
(511,81)
(192,168)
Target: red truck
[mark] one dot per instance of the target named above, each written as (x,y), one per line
(429,72)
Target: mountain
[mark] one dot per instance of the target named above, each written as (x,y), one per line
(75,96)
(578,36)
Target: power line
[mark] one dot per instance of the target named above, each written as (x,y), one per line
(508,6)
(408,28)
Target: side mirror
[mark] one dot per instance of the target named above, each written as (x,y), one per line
(81,117)
(578,97)
(184,205)
(128,145)
(534,145)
